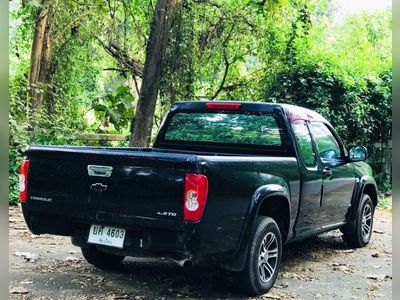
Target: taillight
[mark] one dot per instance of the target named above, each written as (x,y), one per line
(23,181)
(195,198)
(226,106)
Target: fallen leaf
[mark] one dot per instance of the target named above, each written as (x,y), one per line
(283,285)
(376,277)
(377,267)
(376,254)
(18,227)
(336,264)
(19,290)
(344,269)
(29,257)
(380,277)
(378,231)
(277,295)
(73,259)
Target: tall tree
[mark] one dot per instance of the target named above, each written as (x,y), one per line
(155,56)
(178,70)
(40,55)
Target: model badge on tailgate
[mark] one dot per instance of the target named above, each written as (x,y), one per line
(166,214)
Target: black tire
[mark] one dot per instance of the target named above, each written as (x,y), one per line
(359,237)
(251,280)
(101,259)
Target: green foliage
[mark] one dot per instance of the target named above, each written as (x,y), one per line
(115,108)
(344,72)
(61,119)
(279,51)
(385,202)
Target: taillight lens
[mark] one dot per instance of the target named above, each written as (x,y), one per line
(23,181)
(195,198)
(226,106)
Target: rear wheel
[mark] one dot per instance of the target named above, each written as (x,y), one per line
(360,235)
(101,259)
(263,258)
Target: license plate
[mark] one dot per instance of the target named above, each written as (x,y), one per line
(104,235)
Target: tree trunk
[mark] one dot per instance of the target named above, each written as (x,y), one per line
(155,55)
(40,57)
(178,73)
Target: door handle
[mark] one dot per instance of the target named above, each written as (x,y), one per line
(326,172)
(100,171)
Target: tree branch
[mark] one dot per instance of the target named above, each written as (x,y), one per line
(136,86)
(221,86)
(227,64)
(115,69)
(134,66)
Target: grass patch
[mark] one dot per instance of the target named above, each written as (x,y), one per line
(385,202)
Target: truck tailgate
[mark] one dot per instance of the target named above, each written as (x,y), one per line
(142,183)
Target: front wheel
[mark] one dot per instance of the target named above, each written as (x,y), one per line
(101,259)
(263,258)
(361,234)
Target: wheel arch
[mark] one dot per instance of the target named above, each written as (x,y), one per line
(277,207)
(366,185)
(351,231)
(371,190)
(270,196)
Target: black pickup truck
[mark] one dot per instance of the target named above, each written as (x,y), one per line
(225,182)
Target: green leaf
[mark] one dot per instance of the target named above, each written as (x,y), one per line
(122,90)
(99,107)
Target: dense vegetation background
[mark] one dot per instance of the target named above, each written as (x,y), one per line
(77,66)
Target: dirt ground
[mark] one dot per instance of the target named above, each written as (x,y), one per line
(49,267)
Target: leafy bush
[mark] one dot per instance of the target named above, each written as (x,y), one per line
(360,112)
(115,108)
(283,51)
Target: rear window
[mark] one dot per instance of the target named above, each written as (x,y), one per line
(224,128)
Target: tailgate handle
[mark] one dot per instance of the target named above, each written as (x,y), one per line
(100,171)
(98,187)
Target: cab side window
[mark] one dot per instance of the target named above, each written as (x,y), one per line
(305,143)
(328,145)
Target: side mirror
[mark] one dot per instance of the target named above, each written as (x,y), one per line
(358,153)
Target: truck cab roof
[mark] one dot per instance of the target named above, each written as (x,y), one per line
(294,112)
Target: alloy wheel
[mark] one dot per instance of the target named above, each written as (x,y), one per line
(268,257)
(366,222)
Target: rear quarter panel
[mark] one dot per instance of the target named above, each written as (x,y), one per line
(235,187)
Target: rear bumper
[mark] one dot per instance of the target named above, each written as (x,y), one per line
(144,243)
(144,236)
